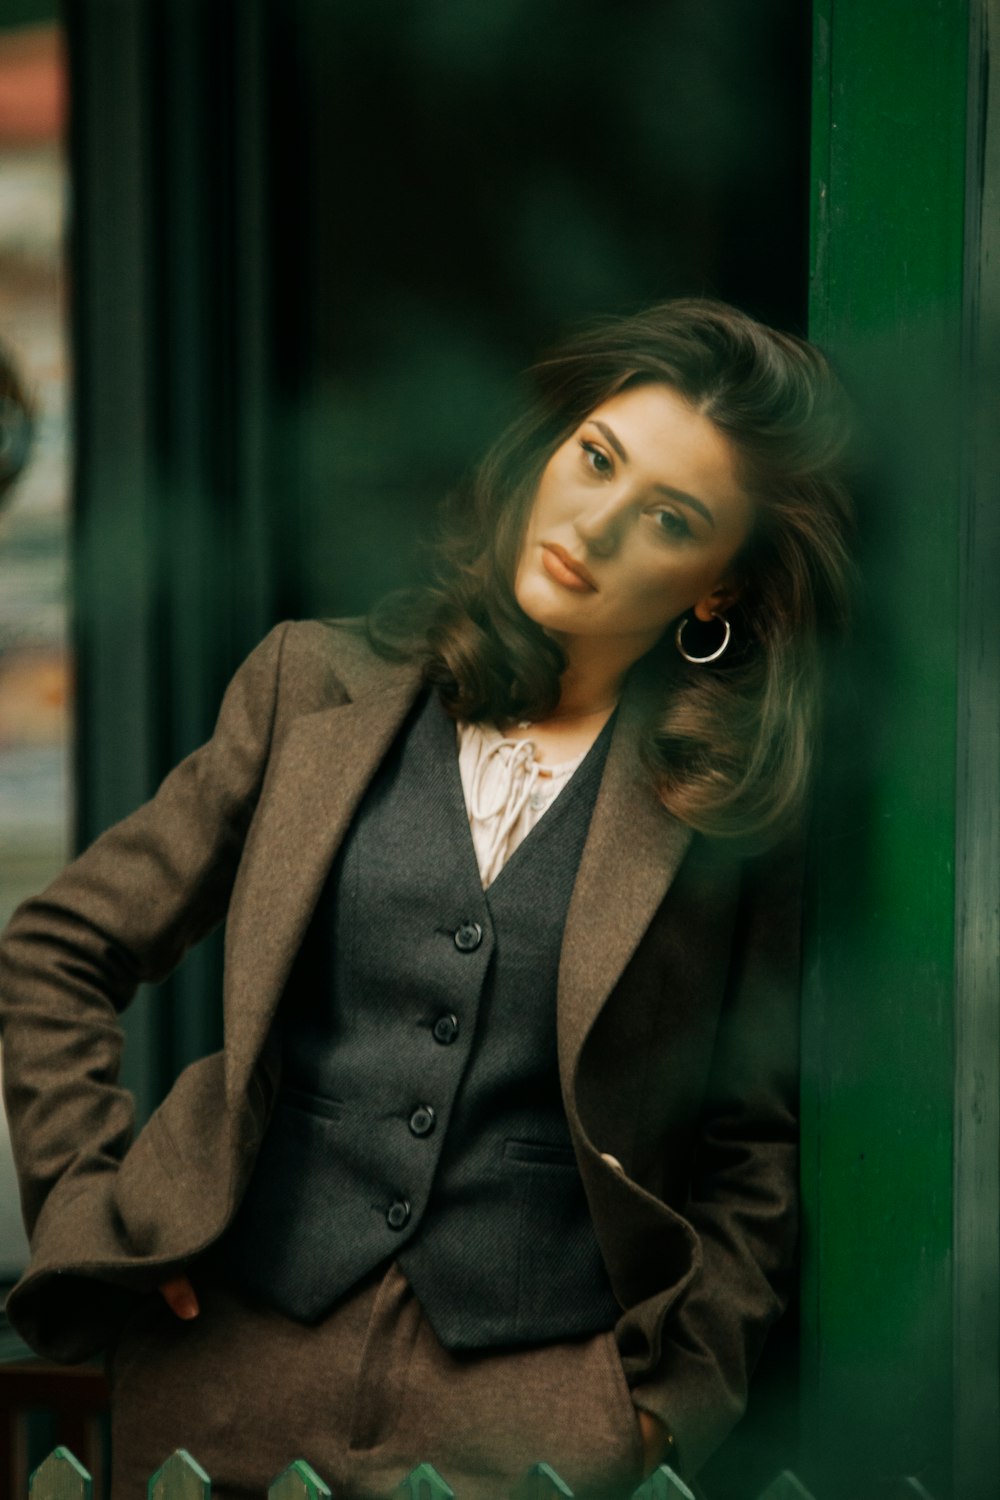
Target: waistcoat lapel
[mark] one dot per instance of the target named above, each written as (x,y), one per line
(320,773)
(633,851)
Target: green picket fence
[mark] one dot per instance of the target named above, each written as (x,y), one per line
(62,1477)
(181,1477)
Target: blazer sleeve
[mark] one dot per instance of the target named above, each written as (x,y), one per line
(123,913)
(743,1202)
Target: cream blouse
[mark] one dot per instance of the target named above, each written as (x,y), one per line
(506,791)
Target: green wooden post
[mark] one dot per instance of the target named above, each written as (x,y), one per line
(901,1054)
(180,1477)
(59,1477)
(298,1482)
(977,845)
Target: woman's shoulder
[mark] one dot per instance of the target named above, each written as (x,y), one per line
(329,660)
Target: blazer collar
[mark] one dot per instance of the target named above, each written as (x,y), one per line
(320,773)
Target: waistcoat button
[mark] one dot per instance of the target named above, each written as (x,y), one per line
(422,1120)
(468,937)
(445,1029)
(398,1215)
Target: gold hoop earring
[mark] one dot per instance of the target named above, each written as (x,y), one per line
(699,661)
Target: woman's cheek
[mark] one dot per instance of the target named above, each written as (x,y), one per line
(648,605)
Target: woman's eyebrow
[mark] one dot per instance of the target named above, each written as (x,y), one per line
(664,489)
(612,439)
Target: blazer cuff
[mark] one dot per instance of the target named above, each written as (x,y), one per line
(67,1306)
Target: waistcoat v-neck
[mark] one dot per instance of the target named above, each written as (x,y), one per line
(420,1115)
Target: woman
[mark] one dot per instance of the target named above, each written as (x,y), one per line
(498,1163)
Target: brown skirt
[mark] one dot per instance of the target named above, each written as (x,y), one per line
(364,1396)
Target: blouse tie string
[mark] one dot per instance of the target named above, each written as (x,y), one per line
(510,800)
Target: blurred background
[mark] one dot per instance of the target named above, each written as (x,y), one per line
(269,271)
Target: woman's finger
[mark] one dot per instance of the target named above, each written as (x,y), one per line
(653,1441)
(179,1295)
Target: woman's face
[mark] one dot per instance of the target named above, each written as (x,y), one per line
(636,519)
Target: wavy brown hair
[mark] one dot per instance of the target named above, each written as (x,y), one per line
(729,744)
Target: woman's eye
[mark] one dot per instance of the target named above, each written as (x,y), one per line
(596,459)
(671,523)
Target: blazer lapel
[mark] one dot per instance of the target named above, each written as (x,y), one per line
(323,767)
(633,851)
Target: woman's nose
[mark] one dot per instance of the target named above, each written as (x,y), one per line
(600,530)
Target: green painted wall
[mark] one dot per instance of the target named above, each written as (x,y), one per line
(14,13)
(886,299)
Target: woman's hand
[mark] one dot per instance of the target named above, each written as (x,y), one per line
(654,1441)
(179,1295)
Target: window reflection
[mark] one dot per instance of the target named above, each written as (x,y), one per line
(35,791)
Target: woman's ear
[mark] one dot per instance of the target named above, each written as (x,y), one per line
(722,597)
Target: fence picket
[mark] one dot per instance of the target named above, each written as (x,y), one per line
(663,1484)
(60,1477)
(423,1483)
(541,1483)
(298,1482)
(787,1487)
(180,1477)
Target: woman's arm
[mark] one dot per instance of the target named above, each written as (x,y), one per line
(121,914)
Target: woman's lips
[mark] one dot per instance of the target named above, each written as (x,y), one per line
(566,570)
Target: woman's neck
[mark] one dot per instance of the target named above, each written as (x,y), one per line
(586,697)
(589,691)
(595,673)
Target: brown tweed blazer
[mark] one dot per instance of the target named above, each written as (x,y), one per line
(676,1015)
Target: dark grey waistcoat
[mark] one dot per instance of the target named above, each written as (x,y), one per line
(419,1115)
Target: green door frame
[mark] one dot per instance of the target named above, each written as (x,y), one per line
(901,1132)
